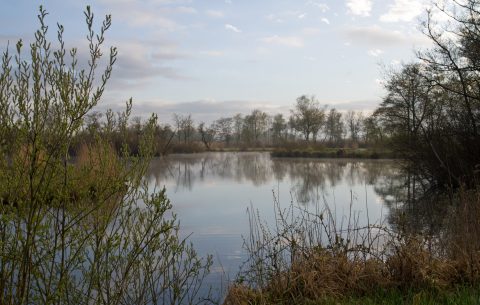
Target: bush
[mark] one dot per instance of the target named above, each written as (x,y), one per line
(84,231)
(306,258)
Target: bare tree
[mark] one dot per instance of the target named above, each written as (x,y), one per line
(254,126)
(307,117)
(279,128)
(207,134)
(223,129)
(237,127)
(354,122)
(334,127)
(184,126)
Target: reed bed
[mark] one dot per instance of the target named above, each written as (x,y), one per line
(315,257)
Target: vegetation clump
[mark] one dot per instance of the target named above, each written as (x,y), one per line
(431,117)
(78,223)
(432,107)
(310,258)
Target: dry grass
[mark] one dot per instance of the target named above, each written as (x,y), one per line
(92,184)
(310,257)
(95,176)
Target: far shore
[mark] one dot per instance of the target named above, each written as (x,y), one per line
(319,153)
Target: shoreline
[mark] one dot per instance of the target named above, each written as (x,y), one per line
(327,153)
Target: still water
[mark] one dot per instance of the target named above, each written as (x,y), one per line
(212,192)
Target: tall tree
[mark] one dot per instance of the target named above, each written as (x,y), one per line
(354,123)
(185,127)
(237,127)
(254,126)
(307,117)
(279,128)
(334,127)
(207,134)
(224,129)
(373,131)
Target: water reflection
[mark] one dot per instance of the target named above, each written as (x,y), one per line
(211,193)
(309,177)
(413,206)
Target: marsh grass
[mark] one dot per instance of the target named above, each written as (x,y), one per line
(322,152)
(315,257)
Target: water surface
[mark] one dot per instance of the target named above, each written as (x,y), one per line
(211,193)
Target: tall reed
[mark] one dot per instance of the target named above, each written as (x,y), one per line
(315,255)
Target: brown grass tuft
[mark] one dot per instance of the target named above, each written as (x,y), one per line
(307,257)
(97,180)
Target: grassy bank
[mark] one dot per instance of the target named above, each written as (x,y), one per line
(351,153)
(243,149)
(297,151)
(197,147)
(461,295)
(318,258)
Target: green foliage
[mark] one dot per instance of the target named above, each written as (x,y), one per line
(459,296)
(462,295)
(85,230)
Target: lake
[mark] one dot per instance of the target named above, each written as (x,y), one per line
(212,192)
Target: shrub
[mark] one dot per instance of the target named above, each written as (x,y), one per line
(306,258)
(85,230)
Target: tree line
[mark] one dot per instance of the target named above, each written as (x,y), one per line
(309,123)
(430,113)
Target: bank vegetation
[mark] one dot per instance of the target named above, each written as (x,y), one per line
(431,114)
(78,222)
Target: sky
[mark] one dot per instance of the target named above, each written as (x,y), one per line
(213,58)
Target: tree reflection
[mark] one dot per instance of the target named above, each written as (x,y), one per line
(413,208)
(185,170)
(404,195)
(310,178)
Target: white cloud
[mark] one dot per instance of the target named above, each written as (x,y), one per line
(153,14)
(147,19)
(232,28)
(325,20)
(215,14)
(403,10)
(273,17)
(375,52)
(213,53)
(375,37)
(363,105)
(139,63)
(395,62)
(186,10)
(152,2)
(262,51)
(311,31)
(289,41)
(206,109)
(360,7)
(166,52)
(284,16)
(321,6)
(228,1)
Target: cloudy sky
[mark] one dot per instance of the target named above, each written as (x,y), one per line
(218,57)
